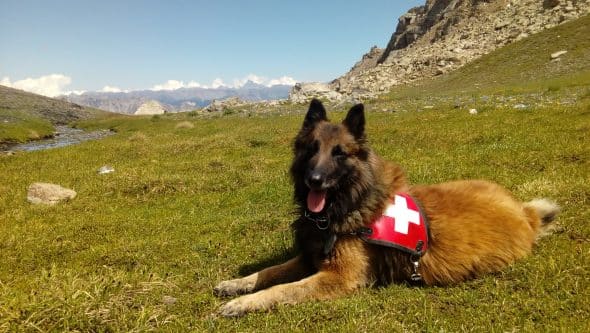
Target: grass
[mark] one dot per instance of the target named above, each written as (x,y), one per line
(19,126)
(140,249)
(188,207)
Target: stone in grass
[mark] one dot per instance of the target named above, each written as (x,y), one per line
(558,54)
(48,194)
(472,111)
(169,300)
(105,169)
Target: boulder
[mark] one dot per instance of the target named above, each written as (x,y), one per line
(304,92)
(48,194)
(150,107)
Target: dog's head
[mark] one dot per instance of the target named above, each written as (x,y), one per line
(330,164)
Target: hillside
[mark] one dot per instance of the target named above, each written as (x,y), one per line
(442,36)
(25,116)
(524,66)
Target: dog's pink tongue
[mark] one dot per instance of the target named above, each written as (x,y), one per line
(316,200)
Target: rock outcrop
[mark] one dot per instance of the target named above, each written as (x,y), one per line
(442,36)
(220,105)
(303,92)
(150,107)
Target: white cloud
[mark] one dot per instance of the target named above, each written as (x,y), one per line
(193,84)
(285,80)
(49,85)
(169,85)
(112,89)
(74,92)
(218,83)
(251,77)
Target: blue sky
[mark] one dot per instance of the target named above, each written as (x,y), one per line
(131,45)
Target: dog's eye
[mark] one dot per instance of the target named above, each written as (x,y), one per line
(338,152)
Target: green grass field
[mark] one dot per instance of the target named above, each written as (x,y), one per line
(187,208)
(140,249)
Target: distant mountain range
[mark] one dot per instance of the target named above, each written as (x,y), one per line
(183,99)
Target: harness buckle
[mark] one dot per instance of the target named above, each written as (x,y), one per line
(321,222)
(415,260)
(415,277)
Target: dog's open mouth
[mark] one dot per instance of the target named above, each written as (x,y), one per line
(316,200)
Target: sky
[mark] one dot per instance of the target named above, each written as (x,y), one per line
(59,46)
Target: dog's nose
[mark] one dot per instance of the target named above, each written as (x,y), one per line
(316,179)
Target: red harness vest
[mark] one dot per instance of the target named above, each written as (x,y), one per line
(403,226)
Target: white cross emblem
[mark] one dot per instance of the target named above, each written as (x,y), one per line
(402,215)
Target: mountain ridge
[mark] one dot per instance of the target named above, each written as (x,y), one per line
(178,100)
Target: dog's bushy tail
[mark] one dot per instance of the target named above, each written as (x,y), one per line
(545,210)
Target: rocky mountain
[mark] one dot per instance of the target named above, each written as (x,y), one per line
(184,99)
(439,37)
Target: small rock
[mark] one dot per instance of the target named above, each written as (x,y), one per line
(169,300)
(472,111)
(48,194)
(521,106)
(502,24)
(558,54)
(105,169)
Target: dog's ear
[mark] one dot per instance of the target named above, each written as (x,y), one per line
(355,121)
(315,113)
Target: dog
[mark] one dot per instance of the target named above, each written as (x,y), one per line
(352,205)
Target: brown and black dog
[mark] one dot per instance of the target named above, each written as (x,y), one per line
(342,187)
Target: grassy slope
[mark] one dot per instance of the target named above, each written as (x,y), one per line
(188,207)
(25,116)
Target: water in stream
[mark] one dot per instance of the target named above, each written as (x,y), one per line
(64,136)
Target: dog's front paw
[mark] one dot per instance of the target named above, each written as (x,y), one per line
(240,306)
(232,288)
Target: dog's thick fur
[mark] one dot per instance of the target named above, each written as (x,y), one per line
(476,227)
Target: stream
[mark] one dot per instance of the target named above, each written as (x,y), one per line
(64,136)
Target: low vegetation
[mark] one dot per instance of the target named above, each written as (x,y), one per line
(187,206)
(20,126)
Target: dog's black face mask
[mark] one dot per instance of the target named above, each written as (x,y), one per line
(329,161)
